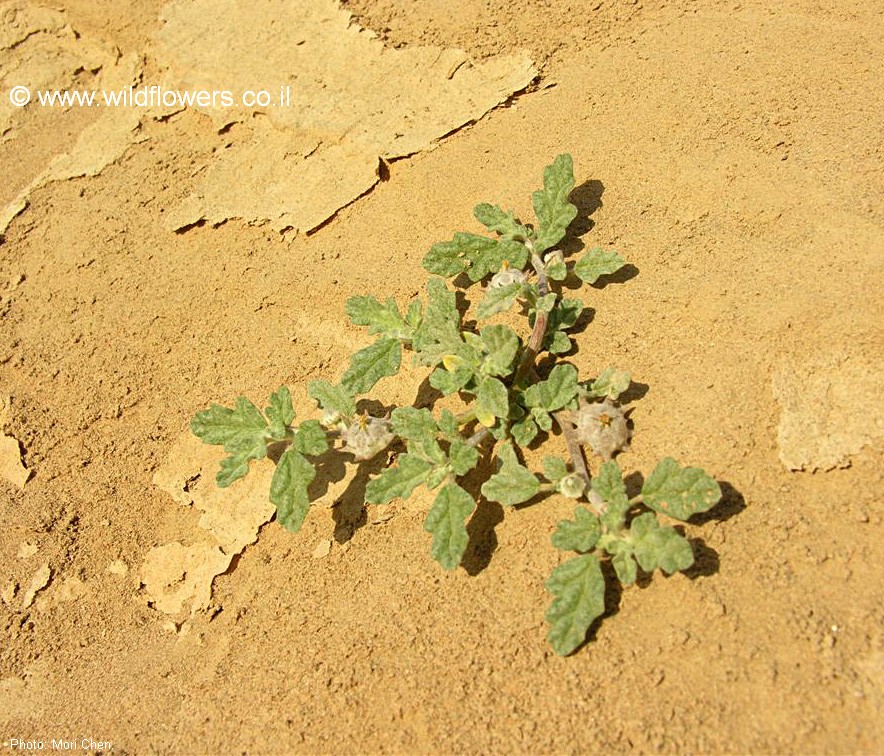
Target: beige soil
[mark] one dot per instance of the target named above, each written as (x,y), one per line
(732,151)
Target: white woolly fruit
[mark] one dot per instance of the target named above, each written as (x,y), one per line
(602,427)
(572,486)
(367,436)
(506,276)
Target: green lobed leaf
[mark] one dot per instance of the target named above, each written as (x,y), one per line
(597,263)
(444,259)
(462,457)
(610,486)
(551,206)
(498,221)
(554,469)
(332,398)
(524,431)
(559,343)
(380,318)
(680,491)
(369,365)
(557,270)
(611,383)
(625,567)
(436,476)
(237,429)
(498,299)
(398,482)
(446,520)
(501,344)
(579,534)
(448,424)
(288,489)
(542,418)
(555,392)
(658,546)
(513,483)
(546,303)
(492,398)
(409,422)
(280,412)
(311,438)
(439,331)
(448,382)
(474,254)
(578,586)
(236,466)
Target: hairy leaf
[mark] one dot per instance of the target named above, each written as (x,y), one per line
(236,466)
(660,546)
(680,491)
(554,469)
(524,431)
(399,481)
(578,586)
(439,331)
(476,255)
(625,567)
(579,534)
(448,424)
(503,223)
(380,318)
(238,429)
(462,457)
(610,383)
(280,412)
(492,400)
(555,392)
(551,206)
(597,263)
(446,520)
(498,299)
(369,365)
(409,422)
(609,485)
(288,489)
(311,438)
(501,344)
(332,398)
(556,270)
(513,483)
(559,343)
(449,382)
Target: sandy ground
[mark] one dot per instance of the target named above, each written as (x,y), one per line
(732,152)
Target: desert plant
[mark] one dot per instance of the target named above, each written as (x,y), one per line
(505,400)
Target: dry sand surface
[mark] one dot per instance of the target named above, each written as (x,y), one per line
(156,259)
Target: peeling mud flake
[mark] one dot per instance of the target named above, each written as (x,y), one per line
(118,567)
(8,591)
(11,467)
(27,550)
(831,407)
(323,549)
(174,574)
(38,583)
(352,102)
(232,515)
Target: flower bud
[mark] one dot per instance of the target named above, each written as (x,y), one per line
(602,427)
(367,436)
(551,258)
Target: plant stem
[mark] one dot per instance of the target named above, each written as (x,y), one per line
(532,349)
(575,451)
